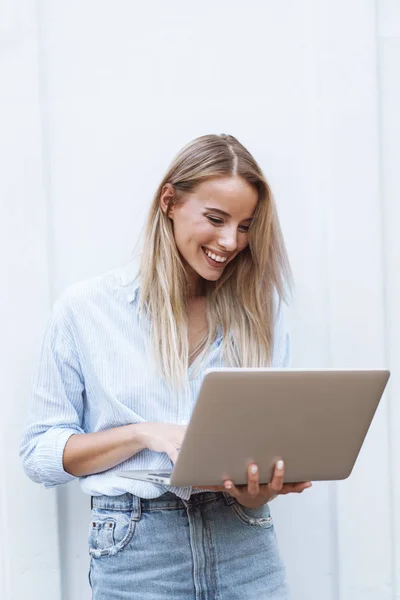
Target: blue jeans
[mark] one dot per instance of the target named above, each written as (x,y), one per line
(207,548)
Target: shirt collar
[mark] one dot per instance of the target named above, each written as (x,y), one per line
(127,278)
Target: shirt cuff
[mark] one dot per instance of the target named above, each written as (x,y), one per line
(49,457)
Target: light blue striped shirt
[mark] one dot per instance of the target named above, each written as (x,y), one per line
(95,372)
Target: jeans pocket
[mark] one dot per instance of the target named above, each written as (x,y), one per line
(255,517)
(110,531)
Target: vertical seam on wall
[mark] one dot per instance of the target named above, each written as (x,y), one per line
(332,486)
(333,496)
(45,144)
(334,578)
(385,318)
(4,556)
(47,190)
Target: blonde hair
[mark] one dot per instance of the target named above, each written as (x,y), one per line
(241,302)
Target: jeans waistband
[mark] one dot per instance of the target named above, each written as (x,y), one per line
(129,502)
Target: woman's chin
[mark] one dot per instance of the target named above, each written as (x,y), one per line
(207,272)
(211,276)
(207,275)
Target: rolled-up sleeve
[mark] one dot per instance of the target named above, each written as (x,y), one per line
(56,405)
(281,342)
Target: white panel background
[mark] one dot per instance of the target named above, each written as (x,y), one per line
(96,98)
(29,558)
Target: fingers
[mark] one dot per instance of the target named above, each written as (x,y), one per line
(253,482)
(231,488)
(253,487)
(173,453)
(276,483)
(179,432)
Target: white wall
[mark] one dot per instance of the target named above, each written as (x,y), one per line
(310,87)
(388,27)
(29,556)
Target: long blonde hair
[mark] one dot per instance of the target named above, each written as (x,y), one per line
(241,302)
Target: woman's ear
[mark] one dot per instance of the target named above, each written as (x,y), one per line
(166,198)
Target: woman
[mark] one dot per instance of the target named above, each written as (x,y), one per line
(121,365)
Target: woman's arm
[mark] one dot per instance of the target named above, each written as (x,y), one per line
(56,406)
(89,453)
(54,446)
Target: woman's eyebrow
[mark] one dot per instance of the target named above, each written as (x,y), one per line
(218,210)
(225,214)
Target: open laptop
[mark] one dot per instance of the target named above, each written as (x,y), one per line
(316,420)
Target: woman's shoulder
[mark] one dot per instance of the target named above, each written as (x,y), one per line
(101,290)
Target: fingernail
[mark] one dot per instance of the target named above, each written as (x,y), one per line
(279,465)
(253,469)
(309,484)
(228,485)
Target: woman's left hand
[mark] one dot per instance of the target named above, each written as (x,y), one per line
(255,495)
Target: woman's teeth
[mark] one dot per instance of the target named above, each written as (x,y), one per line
(215,257)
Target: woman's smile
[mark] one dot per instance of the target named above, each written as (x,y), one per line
(215,260)
(216,215)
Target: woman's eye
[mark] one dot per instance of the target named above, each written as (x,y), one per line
(217,221)
(214,220)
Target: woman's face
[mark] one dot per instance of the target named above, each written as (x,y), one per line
(211,224)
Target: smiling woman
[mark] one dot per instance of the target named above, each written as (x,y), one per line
(203,226)
(116,386)
(213,231)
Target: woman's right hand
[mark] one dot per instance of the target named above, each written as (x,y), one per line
(162,437)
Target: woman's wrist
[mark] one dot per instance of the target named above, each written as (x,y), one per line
(139,435)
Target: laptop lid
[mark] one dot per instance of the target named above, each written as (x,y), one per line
(316,420)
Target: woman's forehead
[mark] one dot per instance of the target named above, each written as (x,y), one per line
(232,195)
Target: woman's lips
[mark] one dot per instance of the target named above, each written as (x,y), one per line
(212,262)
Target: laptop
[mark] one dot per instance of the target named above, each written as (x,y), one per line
(316,420)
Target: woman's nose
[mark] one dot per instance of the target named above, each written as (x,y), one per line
(228,239)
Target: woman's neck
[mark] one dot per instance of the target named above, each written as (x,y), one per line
(196,291)
(196,285)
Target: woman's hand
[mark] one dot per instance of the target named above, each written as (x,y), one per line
(254,495)
(162,437)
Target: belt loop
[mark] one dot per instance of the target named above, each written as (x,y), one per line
(228,498)
(136,508)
